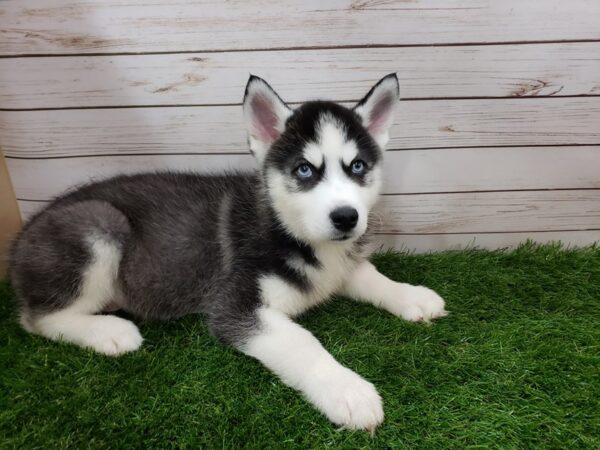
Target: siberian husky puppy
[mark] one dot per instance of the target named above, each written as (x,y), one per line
(249,251)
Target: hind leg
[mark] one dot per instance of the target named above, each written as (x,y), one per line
(77,323)
(65,268)
(109,335)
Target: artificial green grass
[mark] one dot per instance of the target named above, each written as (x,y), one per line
(515,365)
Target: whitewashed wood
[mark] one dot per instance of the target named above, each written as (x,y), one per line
(216,129)
(436,242)
(29,208)
(505,168)
(40,179)
(216,78)
(410,171)
(68,26)
(477,212)
(490,212)
(422,243)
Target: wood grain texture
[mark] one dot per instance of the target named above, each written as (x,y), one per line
(219,78)
(10,218)
(220,129)
(410,171)
(108,26)
(473,157)
(443,241)
(476,212)
(490,212)
(436,242)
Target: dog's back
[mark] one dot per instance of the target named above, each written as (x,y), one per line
(157,245)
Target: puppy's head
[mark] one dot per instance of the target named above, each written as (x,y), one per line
(321,162)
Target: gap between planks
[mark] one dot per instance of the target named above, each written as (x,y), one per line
(451,233)
(304,48)
(482,191)
(211,105)
(247,153)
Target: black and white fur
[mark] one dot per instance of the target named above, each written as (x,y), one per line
(248,250)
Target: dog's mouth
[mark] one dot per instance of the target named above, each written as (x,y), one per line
(343,237)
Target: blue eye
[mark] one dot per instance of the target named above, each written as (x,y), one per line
(358,167)
(304,171)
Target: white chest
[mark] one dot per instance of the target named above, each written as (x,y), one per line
(323,282)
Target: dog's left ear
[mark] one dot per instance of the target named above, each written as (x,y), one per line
(378,107)
(265,115)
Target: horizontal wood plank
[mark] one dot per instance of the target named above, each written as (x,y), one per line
(410,171)
(219,78)
(40,179)
(220,129)
(109,26)
(436,242)
(475,212)
(422,243)
(489,212)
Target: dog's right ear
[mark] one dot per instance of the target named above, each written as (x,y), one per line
(378,107)
(265,115)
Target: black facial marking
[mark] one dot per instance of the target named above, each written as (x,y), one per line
(306,184)
(360,178)
(302,128)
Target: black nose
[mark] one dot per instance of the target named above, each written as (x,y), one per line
(344,218)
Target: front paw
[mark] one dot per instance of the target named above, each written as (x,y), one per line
(350,401)
(420,304)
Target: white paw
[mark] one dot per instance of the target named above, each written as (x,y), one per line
(113,336)
(350,401)
(421,304)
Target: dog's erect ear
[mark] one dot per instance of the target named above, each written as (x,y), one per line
(265,115)
(378,107)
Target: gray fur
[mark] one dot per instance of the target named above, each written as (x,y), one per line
(189,243)
(175,261)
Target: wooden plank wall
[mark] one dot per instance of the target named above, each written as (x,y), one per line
(497,140)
